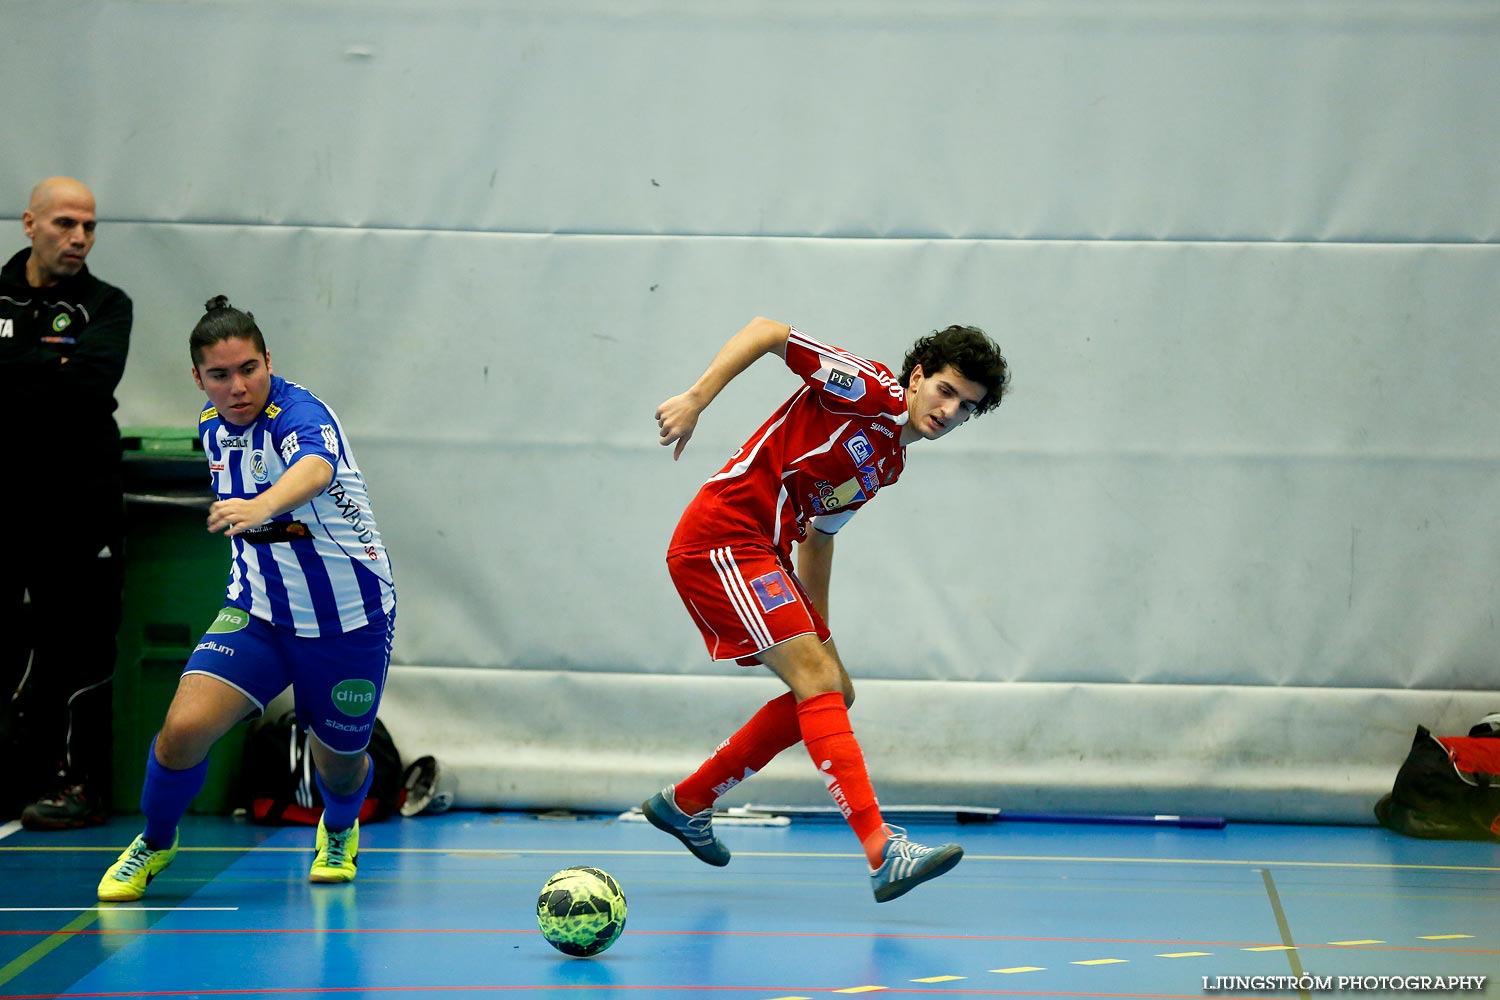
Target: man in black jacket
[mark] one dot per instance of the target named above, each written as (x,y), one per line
(63,340)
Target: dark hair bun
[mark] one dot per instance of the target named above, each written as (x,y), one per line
(217,302)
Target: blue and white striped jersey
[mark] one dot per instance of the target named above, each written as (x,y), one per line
(320,569)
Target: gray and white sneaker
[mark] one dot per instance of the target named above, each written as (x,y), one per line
(696,831)
(908,864)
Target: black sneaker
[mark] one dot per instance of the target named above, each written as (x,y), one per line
(67,808)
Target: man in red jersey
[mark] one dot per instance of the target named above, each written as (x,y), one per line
(824,453)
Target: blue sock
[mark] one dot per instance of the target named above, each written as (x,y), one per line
(165,796)
(340,811)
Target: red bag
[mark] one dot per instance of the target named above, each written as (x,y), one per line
(1448,788)
(277,775)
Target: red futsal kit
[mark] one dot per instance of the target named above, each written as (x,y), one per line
(822,455)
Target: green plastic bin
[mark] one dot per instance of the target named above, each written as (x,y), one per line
(175,573)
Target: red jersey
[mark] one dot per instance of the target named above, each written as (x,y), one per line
(826,451)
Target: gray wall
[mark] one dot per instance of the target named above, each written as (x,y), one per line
(1232,537)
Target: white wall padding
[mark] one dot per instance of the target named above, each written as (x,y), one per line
(549,739)
(1020,119)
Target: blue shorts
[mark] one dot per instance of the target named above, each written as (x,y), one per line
(336,680)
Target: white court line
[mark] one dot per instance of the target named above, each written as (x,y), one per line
(14,826)
(111,909)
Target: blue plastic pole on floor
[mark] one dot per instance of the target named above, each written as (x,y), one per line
(986,814)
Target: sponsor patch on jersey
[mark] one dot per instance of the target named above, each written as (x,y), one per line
(208,415)
(227,440)
(272,410)
(773,590)
(289,447)
(345,727)
(229,620)
(215,466)
(61,322)
(354,697)
(59,340)
(859,448)
(843,382)
(258,470)
(330,438)
(276,531)
(869,478)
(832,498)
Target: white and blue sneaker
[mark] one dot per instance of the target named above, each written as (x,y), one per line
(696,831)
(908,864)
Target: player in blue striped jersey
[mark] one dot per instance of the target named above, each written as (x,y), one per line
(332,575)
(310,603)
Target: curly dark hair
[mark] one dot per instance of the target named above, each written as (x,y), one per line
(975,356)
(221,321)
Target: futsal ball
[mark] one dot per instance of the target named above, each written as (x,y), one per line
(581,911)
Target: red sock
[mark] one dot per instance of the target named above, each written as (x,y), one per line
(840,762)
(772,730)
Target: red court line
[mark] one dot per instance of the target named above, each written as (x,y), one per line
(772,934)
(825,990)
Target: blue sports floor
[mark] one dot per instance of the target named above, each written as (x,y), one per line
(445,907)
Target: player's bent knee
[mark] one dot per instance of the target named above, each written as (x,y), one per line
(808,668)
(182,746)
(199,715)
(811,683)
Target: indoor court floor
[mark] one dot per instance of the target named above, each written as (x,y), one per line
(444,906)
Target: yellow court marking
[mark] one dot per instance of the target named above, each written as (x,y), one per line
(1186,954)
(41,949)
(1101,961)
(860,989)
(1021,968)
(1366,941)
(939,979)
(1442,937)
(1272,947)
(1229,862)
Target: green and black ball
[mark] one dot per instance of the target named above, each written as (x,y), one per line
(581,911)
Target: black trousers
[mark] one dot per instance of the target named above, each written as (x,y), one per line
(57,649)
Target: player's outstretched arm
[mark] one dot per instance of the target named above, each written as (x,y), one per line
(307,477)
(815,567)
(677,417)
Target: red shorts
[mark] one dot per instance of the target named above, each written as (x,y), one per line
(744,599)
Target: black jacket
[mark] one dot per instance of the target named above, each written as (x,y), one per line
(62,414)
